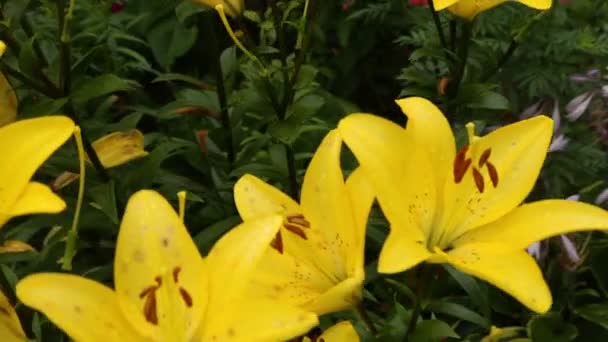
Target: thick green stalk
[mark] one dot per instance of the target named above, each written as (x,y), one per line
(214,46)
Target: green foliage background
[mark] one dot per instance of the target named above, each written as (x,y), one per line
(154,66)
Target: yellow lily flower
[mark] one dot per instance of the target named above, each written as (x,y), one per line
(165,291)
(462,207)
(468,9)
(118,148)
(10,326)
(232,7)
(24,146)
(339,332)
(317,259)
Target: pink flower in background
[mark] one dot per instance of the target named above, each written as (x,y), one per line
(419,2)
(346,5)
(117,6)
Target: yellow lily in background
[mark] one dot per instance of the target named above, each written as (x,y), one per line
(10,327)
(8,102)
(118,148)
(339,332)
(165,291)
(461,207)
(233,8)
(469,9)
(317,259)
(24,146)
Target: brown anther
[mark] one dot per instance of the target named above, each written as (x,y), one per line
(493,173)
(150,308)
(176,274)
(158,280)
(147,291)
(296,230)
(186,297)
(442,85)
(484,157)
(298,219)
(461,164)
(478,180)
(277,243)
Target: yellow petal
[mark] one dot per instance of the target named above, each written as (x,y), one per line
(84,309)
(468,9)
(538,4)
(254,197)
(8,101)
(340,332)
(10,327)
(430,130)
(119,148)
(517,153)
(261,320)
(2,48)
(515,272)
(342,296)
(239,252)
(157,261)
(232,7)
(400,252)
(537,221)
(25,145)
(326,205)
(15,246)
(442,4)
(362,197)
(386,156)
(37,198)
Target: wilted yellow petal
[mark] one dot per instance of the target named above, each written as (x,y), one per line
(84,309)
(64,179)
(118,148)
(25,145)
(8,100)
(15,246)
(157,261)
(10,327)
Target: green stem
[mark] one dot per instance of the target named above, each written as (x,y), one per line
(364,317)
(9,70)
(214,45)
(437,22)
(293,172)
(503,60)
(463,54)
(65,79)
(426,275)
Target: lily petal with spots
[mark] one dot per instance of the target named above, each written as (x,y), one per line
(165,290)
(317,257)
(463,207)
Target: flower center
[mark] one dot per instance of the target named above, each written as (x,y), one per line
(464,163)
(149,294)
(294,223)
